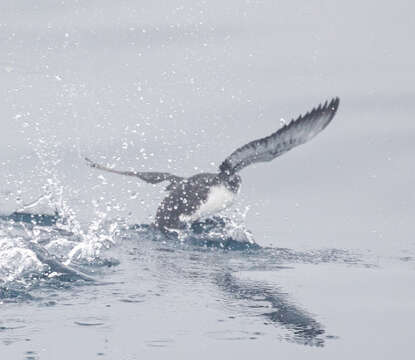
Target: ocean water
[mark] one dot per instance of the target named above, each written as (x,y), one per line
(317,256)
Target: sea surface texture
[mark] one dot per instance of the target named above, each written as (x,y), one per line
(315,259)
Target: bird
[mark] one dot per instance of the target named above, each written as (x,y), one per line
(203,195)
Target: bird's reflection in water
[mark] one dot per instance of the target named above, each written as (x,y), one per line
(197,263)
(255,297)
(302,327)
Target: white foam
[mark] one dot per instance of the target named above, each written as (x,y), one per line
(17,261)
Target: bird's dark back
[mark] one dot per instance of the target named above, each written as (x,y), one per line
(184,198)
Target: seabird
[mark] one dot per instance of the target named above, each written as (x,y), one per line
(205,194)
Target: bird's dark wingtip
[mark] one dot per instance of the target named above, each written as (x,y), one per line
(334,103)
(89,162)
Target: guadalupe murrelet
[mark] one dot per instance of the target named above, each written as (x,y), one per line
(205,194)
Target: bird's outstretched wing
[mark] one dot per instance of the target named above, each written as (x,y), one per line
(297,132)
(150,177)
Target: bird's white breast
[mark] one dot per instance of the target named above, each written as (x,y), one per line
(218,199)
